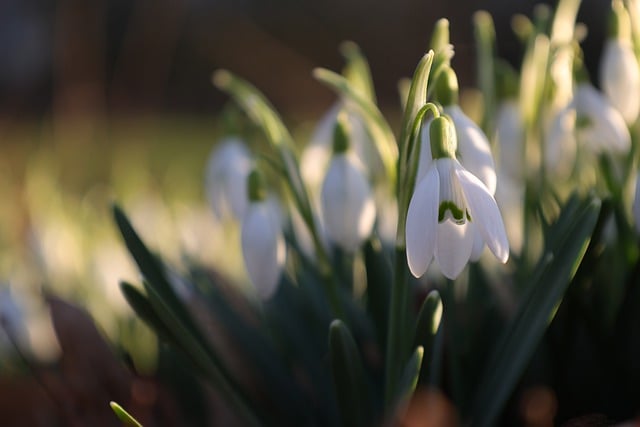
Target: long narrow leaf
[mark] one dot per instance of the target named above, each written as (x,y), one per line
(519,340)
(348,377)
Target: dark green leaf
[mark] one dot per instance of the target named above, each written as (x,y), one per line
(568,241)
(348,377)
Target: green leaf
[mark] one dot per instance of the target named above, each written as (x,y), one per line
(348,377)
(543,294)
(410,375)
(124,415)
(357,70)
(143,308)
(427,325)
(177,321)
(375,123)
(378,286)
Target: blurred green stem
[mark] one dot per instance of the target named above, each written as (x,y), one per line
(397,337)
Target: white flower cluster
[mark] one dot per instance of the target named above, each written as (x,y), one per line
(550,127)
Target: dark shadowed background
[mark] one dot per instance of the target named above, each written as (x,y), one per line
(133,56)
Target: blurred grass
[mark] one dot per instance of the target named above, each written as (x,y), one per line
(57,184)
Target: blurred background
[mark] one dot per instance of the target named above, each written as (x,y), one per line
(111,100)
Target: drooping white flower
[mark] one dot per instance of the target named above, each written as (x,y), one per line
(348,207)
(226,178)
(263,246)
(620,77)
(316,156)
(448,207)
(560,143)
(600,127)
(347,201)
(619,69)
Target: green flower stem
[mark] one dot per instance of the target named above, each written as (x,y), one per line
(397,332)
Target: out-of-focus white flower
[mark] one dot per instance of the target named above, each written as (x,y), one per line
(348,206)
(600,127)
(620,77)
(560,143)
(263,246)
(588,122)
(619,70)
(448,207)
(347,202)
(509,138)
(316,156)
(226,178)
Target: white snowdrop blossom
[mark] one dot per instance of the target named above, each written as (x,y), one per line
(263,246)
(620,77)
(348,206)
(316,156)
(226,178)
(560,143)
(600,127)
(448,207)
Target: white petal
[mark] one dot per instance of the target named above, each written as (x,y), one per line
(485,213)
(422,219)
(425,159)
(226,178)
(560,143)
(478,243)
(263,247)
(607,131)
(620,77)
(453,247)
(347,204)
(473,147)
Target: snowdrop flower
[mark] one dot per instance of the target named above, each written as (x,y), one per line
(226,178)
(600,127)
(449,205)
(619,69)
(316,157)
(263,246)
(473,146)
(347,202)
(560,143)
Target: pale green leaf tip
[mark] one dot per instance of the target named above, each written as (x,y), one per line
(123,415)
(349,48)
(221,78)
